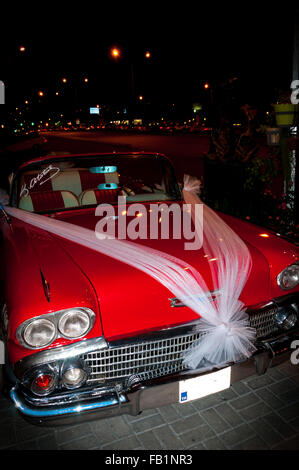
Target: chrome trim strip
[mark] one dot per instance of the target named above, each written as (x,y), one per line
(41,413)
(68,396)
(165,333)
(58,354)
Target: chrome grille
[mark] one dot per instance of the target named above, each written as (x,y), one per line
(147,359)
(264,323)
(151,359)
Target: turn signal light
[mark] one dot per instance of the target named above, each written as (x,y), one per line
(43,384)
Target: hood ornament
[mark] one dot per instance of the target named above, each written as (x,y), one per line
(175,302)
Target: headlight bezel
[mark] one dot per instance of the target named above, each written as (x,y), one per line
(54,318)
(280,276)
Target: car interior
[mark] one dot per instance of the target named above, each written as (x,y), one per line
(81,187)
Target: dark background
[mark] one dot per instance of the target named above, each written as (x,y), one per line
(190,43)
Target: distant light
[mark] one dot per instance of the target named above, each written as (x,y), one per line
(86,80)
(264,235)
(57,93)
(115,52)
(26,102)
(22,49)
(94,110)
(140,98)
(64,80)
(40,93)
(147,54)
(196,107)
(206,86)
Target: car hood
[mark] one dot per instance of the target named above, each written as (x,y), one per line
(131,302)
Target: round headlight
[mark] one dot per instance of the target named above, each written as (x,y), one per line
(289,277)
(74,323)
(286,318)
(74,377)
(39,333)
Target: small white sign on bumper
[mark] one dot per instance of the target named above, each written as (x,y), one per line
(198,387)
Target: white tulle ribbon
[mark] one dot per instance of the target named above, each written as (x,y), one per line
(226,336)
(229,338)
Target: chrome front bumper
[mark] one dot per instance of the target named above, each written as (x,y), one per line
(93,404)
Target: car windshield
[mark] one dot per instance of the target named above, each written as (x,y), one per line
(75,182)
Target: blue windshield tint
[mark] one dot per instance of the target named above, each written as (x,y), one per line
(103,169)
(107,186)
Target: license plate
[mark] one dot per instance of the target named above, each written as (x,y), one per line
(198,387)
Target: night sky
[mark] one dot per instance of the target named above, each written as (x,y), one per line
(189,44)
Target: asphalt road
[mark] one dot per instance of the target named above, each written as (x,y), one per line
(185,150)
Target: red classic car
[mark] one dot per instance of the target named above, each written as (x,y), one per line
(87,336)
